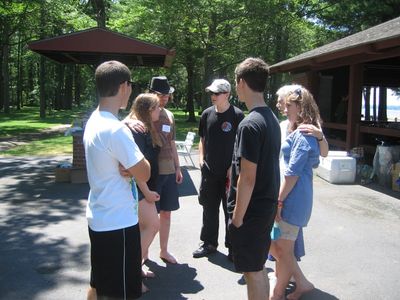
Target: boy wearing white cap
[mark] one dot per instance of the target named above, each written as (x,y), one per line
(217,130)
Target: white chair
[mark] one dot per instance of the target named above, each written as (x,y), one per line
(184,147)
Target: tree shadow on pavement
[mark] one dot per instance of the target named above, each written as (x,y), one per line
(171,281)
(187,187)
(220,259)
(35,249)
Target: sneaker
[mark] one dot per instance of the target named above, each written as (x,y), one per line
(204,250)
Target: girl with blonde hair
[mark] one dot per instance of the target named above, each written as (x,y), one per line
(300,154)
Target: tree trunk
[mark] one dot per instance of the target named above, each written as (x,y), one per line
(209,61)
(6,78)
(19,76)
(68,88)
(99,7)
(77,83)
(190,89)
(59,95)
(42,74)
(42,70)
(30,77)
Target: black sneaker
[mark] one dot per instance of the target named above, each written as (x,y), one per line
(204,250)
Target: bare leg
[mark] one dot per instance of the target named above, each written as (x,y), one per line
(165,224)
(91,294)
(149,226)
(257,285)
(285,265)
(302,284)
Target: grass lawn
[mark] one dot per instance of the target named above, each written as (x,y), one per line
(27,121)
(59,145)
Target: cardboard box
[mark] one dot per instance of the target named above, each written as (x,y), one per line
(63,174)
(395,176)
(337,169)
(79,175)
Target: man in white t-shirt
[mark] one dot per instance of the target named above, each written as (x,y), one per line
(111,208)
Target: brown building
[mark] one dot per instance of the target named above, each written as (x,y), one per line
(342,75)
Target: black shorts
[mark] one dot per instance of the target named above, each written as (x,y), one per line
(250,243)
(116,263)
(167,188)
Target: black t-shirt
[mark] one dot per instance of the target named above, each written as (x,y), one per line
(144,142)
(258,140)
(219,131)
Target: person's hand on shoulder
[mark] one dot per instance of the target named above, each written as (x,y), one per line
(309,129)
(135,125)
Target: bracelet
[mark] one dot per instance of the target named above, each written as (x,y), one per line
(321,139)
(280,203)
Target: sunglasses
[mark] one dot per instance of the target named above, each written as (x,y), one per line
(217,94)
(162,95)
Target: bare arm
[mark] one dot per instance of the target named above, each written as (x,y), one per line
(287,185)
(178,173)
(140,171)
(149,195)
(245,186)
(201,151)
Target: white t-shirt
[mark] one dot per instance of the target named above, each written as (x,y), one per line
(284,132)
(108,142)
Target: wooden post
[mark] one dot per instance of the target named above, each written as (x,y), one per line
(354,105)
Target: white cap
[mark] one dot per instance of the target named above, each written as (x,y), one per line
(219,86)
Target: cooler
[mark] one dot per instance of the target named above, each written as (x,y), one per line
(337,167)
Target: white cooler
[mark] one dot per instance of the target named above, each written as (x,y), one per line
(337,167)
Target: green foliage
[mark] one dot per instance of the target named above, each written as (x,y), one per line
(352,16)
(210,38)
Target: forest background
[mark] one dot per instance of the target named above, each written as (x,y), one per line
(210,37)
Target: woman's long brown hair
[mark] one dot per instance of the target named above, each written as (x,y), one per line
(141,110)
(309,111)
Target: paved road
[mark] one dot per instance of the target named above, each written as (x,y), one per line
(352,241)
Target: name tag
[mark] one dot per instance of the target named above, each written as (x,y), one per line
(166,128)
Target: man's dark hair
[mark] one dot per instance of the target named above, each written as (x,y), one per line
(109,75)
(255,72)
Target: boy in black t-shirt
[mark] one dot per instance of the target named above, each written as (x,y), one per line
(252,201)
(217,130)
